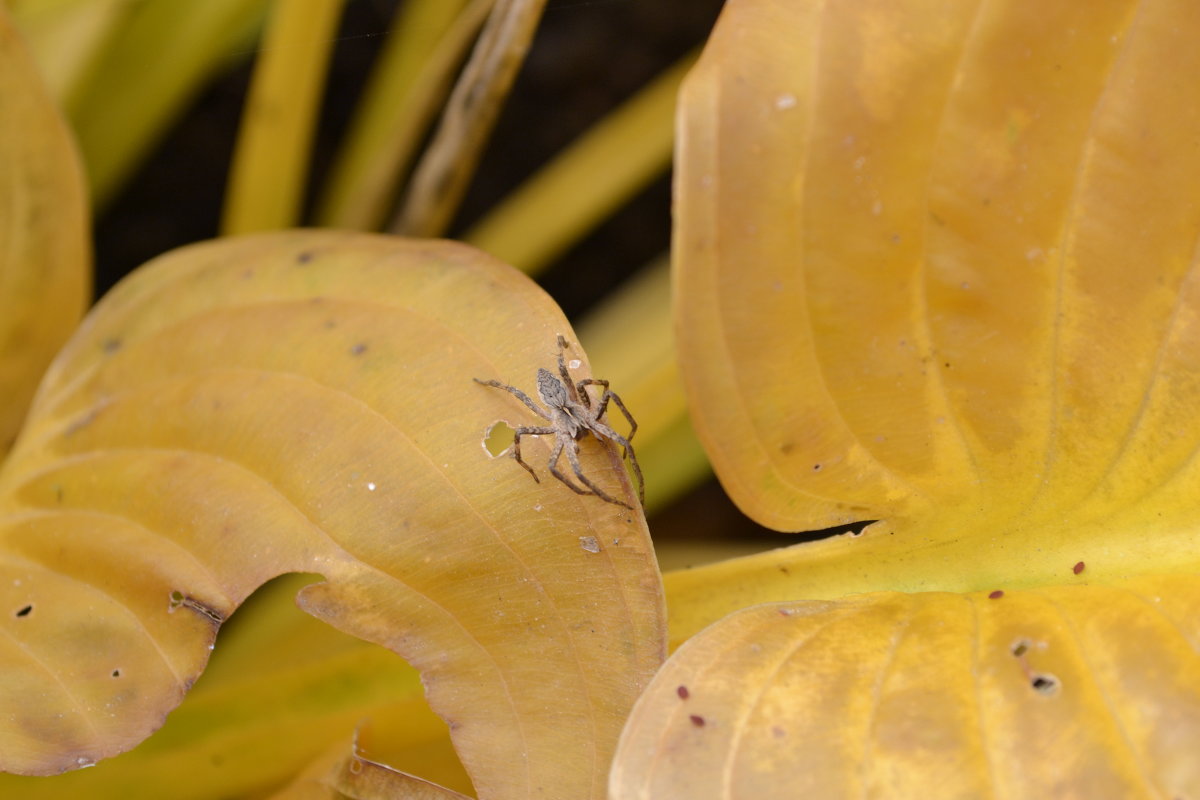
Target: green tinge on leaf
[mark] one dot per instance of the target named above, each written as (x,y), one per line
(595,175)
(630,342)
(65,36)
(270,166)
(406,89)
(938,267)
(281,688)
(153,62)
(304,402)
(350,772)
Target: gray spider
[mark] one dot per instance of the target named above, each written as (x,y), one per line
(572,413)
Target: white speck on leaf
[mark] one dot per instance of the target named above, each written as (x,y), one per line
(785,101)
(589,544)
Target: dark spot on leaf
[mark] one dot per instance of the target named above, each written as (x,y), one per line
(1020,647)
(24,612)
(1078,568)
(786,448)
(304,257)
(111,345)
(116,673)
(816,467)
(996,595)
(359,349)
(778,732)
(697,720)
(947,365)
(683,693)
(1044,684)
(784,570)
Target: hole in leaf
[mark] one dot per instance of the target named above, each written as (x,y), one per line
(498,438)
(1020,647)
(176,600)
(24,612)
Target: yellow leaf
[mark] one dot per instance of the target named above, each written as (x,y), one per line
(281,688)
(936,266)
(44,251)
(304,402)
(347,772)
(1028,695)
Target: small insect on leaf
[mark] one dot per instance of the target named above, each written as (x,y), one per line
(572,413)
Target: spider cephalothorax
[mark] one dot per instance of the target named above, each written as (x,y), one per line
(572,413)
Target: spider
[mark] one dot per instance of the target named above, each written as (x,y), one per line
(572,414)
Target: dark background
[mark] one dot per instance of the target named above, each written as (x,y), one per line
(588,57)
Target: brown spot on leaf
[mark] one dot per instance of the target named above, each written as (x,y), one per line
(1044,684)
(697,720)
(996,595)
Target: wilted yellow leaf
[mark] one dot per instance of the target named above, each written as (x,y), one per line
(304,402)
(935,266)
(44,252)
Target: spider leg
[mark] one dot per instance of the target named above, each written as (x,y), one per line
(609,394)
(524,398)
(573,457)
(554,456)
(602,431)
(576,395)
(587,399)
(516,449)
